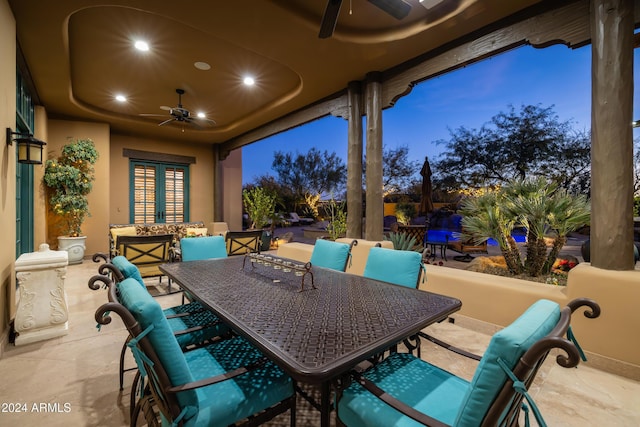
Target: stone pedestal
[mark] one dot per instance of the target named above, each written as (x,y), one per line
(42,309)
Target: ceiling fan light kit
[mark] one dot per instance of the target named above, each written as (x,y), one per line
(182,115)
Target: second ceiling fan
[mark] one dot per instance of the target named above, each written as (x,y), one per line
(396,8)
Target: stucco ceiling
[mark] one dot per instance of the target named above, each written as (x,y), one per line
(80,55)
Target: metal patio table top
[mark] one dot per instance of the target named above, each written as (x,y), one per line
(315,335)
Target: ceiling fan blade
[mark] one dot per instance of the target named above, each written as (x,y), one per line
(330,18)
(166,121)
(152,115)
(396,8)
(164,107)
(204,120)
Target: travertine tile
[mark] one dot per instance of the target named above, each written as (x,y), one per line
(80,369)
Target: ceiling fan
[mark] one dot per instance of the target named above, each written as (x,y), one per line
(396,8)
(181,115)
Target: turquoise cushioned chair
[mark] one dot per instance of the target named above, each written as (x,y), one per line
(244,382)
(328,254)
(191,323)
(207,247)
(394,266)
(440,394)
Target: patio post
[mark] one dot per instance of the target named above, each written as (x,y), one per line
(354,161)
(218,189)
(374,208)
(611,134)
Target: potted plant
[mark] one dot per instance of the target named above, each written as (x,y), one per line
(260,205)
(69,179)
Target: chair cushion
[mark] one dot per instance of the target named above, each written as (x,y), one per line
(394,266)
(148,312)
(425,387)
(232,400)
(508,344)
(127,269)
(198,232)
(122,231)
(203,248)
(330,254)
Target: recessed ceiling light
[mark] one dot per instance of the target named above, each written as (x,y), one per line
(249,81)
(142,45)
(201,115)
(121,98)
(202,66)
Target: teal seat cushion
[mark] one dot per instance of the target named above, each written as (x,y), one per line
(207,247)
(212,326)
(509,345)
(427,388)
(148,312)
(330,254)
(198,316)
(127,269)
(227,402)
(394,266)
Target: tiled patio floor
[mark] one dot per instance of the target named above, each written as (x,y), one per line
(80,369)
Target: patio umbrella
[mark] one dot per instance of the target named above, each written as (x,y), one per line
(426,200)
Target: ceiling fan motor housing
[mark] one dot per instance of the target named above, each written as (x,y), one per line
(180,113)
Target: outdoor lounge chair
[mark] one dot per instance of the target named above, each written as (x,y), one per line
(295,219)
(216,385)
(466,248)
(403,388)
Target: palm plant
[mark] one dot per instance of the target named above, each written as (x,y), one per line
(490,216)
(529,202)
(567,213)
(541,208)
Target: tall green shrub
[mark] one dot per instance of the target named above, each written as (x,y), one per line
(69,179)
(260,205)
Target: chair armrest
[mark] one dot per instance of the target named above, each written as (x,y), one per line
(450,347)
(397,404)
(218,378)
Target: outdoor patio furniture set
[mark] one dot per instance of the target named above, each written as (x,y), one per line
(241,351)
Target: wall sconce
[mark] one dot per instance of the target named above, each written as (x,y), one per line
(29,148)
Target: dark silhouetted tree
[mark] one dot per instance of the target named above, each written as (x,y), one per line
(522,144)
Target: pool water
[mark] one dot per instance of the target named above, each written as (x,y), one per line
(441,236)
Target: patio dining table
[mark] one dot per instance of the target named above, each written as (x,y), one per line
(315,335)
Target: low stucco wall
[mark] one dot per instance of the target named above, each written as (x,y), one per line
(611,339)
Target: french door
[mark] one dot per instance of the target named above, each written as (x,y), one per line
(159,192)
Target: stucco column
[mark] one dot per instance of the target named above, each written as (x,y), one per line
(218,186)
(611,134)
(354,161)
(375,207)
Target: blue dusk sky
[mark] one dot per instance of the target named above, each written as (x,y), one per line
(556,76)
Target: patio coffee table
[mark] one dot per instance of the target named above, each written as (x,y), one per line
(316,335)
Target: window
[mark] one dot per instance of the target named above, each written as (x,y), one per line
(24,172)
(159,192)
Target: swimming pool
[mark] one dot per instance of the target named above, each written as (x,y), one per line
(441,236)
